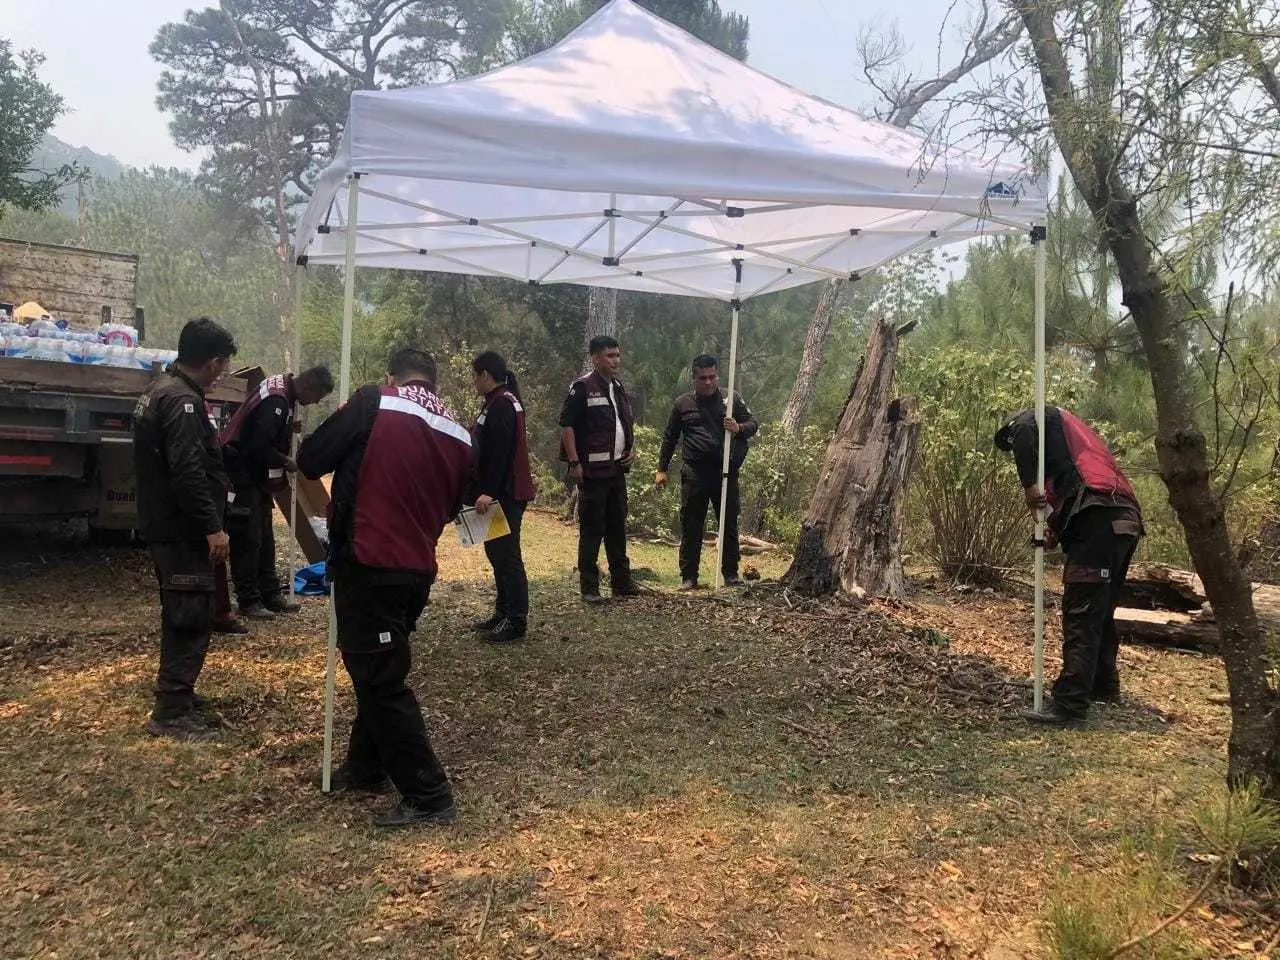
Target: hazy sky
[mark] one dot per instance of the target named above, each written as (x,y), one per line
(97,58)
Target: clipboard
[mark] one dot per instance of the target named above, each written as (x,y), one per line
(472,528)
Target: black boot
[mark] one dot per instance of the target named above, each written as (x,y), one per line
(1052,715)
(507,630)
(487,624)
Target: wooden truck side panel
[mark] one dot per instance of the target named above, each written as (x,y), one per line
(69,282)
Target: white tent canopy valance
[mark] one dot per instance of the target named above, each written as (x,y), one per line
(632,155)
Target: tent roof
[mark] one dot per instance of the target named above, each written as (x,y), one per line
(633,155)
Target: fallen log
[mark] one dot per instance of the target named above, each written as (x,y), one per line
(1160,628)
(1154,586)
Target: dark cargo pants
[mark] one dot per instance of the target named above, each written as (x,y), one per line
(700,489)
(602,516)
(253,546)
(388,735)
(185,575)
(509,577)
(1102,542)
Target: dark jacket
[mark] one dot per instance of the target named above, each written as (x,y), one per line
(502,449)
(400,466)
(182,484)
(594,417)
(257,439)
(1067,488)
(697,424)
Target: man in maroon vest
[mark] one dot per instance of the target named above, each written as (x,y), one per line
(400,466)
(597,440)
(255,447)
(1096,518)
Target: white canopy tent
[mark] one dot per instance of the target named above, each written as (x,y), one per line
(632,155)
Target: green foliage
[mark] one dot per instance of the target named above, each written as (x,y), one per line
(28,108)
(651,511)
(777,481)
(966,504)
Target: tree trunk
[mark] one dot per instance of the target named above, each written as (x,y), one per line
(815,345)
(602,318)
(852,538)
(1095,165)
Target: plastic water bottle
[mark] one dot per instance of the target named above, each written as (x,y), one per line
(118,334)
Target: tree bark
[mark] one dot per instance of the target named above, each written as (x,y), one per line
(1094,162)
(602,318)
(815,346)
(852,538)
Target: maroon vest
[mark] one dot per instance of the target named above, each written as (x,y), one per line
(411,481)
(595,435)
(1093,461)
(280,385)
(525,489)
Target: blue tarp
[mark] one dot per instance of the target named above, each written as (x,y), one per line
(311,581)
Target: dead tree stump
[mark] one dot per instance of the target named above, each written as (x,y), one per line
(852,537)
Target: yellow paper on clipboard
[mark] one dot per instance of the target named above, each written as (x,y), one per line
(473,528)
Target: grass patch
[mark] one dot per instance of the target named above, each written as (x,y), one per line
(674,776)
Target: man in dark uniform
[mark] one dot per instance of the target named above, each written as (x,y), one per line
(1095,517)
(700,420)
(182,490)
(596,440)
(255,447)
(400,466)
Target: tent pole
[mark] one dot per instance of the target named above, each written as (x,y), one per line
(728,412)
(344,388)
(1039,239)
(299,276)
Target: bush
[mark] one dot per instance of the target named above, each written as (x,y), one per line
(966,509)
(778,480)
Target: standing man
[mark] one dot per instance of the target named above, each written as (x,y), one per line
(400,466)
(596,439)
(255,447)
(700,418)
(1094,515)
(182,490)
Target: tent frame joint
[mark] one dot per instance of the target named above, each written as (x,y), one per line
(735,213)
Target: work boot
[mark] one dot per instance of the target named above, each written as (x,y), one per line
(487,624)
(688,585)
(1053,715)
(232,626)
(281,603)
(340,781)
(187,727)
(405,814)
(628,589)
(1106,695)
(206,712)
(732,580)
(257,611)
(507,630)
(592,597)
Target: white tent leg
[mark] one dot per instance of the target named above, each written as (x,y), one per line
(298,276)
(1039,239)
(344,388)
(728,437)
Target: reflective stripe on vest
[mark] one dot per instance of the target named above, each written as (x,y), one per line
(402,404)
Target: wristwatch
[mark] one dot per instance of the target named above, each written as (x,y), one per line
(574,463)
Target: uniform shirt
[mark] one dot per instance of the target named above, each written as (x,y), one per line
(697,425)
(182,484)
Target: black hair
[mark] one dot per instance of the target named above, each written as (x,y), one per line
(491,362)
(320,376)
(409,360)
(704,360)
(601,343)
(1004,436)
(203,340)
